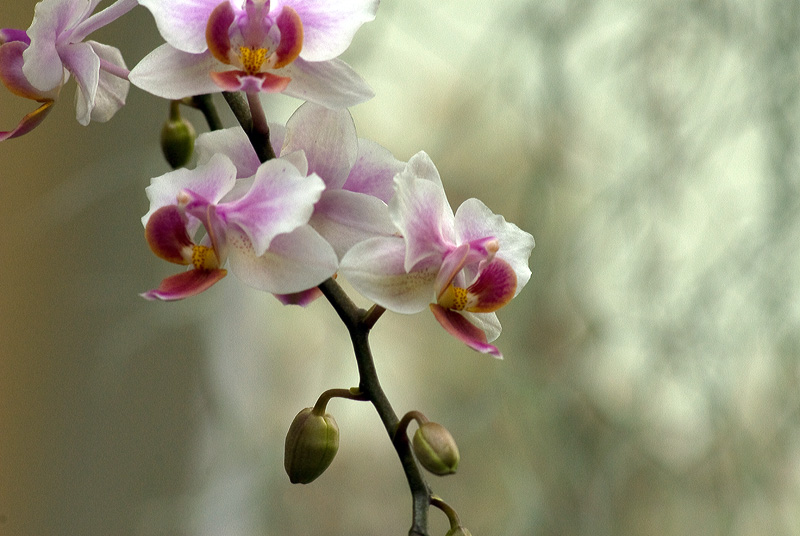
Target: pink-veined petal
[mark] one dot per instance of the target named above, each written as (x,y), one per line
(233,143)
(295,261)
(250,83)
(474,221)
(373,172)
(375,269)
(291,37)
(329,27)
(166,235)
(182,23)
(460,328)
(332,83)
(51,25)
(218,36)
(452,263)
(29,122)
(13,34)
(347,218)
(185,284)
(421,212)
(101,18)
(280,200)
(173,74)
(328,138)
(11,62)
(495,286)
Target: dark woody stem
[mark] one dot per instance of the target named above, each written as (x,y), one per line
(358,323)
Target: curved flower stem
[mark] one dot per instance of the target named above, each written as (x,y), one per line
(207,108)
(250,114)
(358,323)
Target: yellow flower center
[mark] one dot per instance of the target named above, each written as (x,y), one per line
(252,58)
(455,298)
(204,258)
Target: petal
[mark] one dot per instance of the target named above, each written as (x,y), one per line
(173,74)
(182,23)
(166,235)
(103,18)
(11,62)
(302,299)
(373,172)
(331,83)
(295,261)
(375,269)
(280,200)
(233,143)
(218,27)
(29,122)
(474,220)
(210,181)
(328,138)
(291,37)
(111,89)
(51,23)
(8,35)
(460,328)
(84,63)
(452,263)
(421,212)
(495,286)
(347,218)
(329,27)
(250,83)
(185,284)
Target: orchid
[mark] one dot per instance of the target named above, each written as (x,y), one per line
(287,46)
(36,63)
(463,266)
(260,223)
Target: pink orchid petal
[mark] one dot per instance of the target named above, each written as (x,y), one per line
(294,263)
(495,286)
(250,83)
(173,74)
(233,143)
(51,24)
(347,218)
(29,122)
(11,62)
(329,27)
(373,172)
(375,269)
(460,328)
(185,284)
(166,235)
(182,23)
(84,64)
(111,89)
(302,299)
(332,83)
(421,212)
(328,138)
(475,221)
(291,37)
(102,18)
(12,34)
(280,200)
(218,31)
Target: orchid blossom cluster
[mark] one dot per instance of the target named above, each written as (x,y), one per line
(315,202)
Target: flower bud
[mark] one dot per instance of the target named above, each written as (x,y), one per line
(177,141)
(311,444)
(459,531)
(436,449)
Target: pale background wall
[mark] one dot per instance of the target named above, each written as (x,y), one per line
(650,384)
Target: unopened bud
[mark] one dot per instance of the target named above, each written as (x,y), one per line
(177,139)
(311,444)
(436,449)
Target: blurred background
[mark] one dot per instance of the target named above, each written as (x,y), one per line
(650,380)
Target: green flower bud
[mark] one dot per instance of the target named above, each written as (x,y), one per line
(459,531)
(311,444)
(436,449)
(177,140)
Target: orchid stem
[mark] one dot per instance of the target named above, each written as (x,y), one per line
(259,132)
(358,323)
(205,104)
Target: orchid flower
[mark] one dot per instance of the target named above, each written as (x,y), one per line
(287,46)
(36,63)
(463,266)
(259,224)
(357,173)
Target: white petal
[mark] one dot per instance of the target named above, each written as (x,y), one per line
(173,74)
